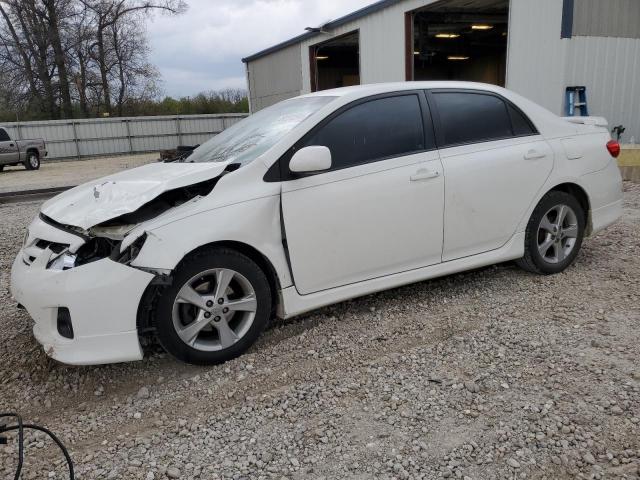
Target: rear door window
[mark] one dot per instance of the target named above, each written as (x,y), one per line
(374,130)
(470,117)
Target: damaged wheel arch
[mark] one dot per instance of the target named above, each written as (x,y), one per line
(148,302)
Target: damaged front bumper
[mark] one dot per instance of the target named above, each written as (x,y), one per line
(99,300)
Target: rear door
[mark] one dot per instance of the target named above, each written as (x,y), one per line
(494,164)
(378,211)
(8,148)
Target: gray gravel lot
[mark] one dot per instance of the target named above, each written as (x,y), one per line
(490,374)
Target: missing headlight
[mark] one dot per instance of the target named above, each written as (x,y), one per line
(131,252)
(95,249)
(65,261)
(99,248)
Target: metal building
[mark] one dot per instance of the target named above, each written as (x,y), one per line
(539,48)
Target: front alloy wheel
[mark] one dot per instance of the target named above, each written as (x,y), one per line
(217,306)
(214,309)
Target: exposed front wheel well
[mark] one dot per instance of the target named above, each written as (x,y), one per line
(581,196)
(154,290)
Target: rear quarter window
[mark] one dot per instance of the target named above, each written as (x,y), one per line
(521,124)
(4,136)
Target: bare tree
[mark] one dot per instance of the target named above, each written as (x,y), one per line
(110,13)
(53,11)
(61,53)
(32,37)
(137,79)
(84,77)
(14,51)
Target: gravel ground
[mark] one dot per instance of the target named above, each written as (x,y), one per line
(490,374)
(68,173)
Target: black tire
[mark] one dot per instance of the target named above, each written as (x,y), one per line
(194,266)
(33,160)
(533,261)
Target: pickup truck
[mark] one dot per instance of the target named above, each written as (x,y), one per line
(26,152)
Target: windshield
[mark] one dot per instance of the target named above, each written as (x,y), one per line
(251,137)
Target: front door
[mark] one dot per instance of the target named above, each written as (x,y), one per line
(379,209)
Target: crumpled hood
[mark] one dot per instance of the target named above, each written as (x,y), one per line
(96,202)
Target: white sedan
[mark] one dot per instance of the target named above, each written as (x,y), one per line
(312,201)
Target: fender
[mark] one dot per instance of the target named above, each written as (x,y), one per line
(219,225)
(546,188)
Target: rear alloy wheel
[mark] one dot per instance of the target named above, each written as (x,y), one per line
(554,234)
(557,234)
(217,307)
(33,161)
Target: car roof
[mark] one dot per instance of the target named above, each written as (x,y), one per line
(547,123)
(380,88)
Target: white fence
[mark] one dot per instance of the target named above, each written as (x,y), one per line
(111,136)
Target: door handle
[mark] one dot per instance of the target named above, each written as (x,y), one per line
(11,145)
(534,155)
(424,174)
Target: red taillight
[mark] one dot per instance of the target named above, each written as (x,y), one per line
(614,148)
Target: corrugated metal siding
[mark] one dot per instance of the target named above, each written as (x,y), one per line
(610,18)
(79,138)
(382,55)
(381,44)
(275,77)
(540,64)
(536,53)
(609,68)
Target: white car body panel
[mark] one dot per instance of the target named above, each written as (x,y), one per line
(597,121)
(168,244)
(489,189)
(342,227)
(605,196)
(296,304)
(214,218)
(39,229)
(108,333)
(124,192)
(328,237)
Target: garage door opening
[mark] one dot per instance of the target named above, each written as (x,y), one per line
(336,62)
(459,40)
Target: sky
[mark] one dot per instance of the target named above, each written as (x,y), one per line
(202,49)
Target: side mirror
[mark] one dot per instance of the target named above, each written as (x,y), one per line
(310,159)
